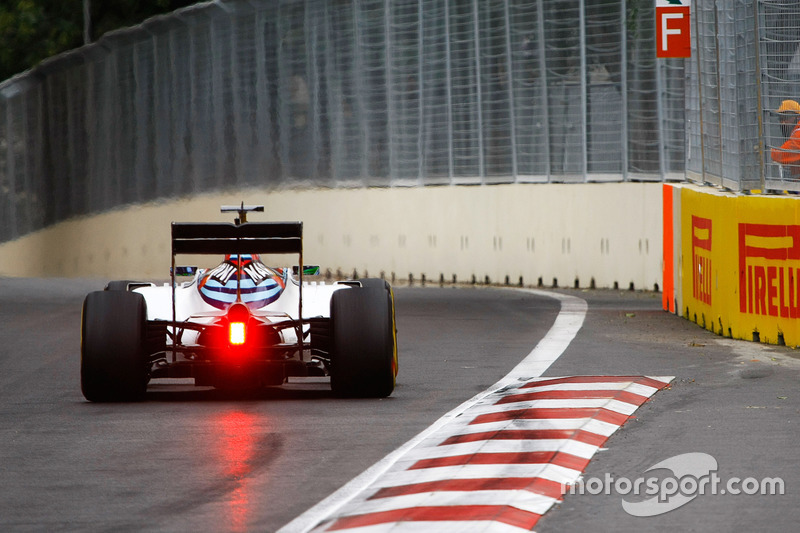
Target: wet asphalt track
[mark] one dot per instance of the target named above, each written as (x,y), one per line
(201,460)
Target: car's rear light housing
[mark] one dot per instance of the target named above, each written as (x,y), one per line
(239,336)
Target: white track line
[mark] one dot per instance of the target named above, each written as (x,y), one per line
(567,324)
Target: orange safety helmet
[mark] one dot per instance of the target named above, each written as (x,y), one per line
(788,106)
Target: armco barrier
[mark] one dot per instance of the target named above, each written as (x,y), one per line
(732,262)
(566,234)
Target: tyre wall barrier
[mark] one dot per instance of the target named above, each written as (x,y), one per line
(567,235)
(732,262)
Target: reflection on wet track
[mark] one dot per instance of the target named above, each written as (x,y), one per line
(235,443)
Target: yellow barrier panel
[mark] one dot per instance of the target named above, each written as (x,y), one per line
(740,264)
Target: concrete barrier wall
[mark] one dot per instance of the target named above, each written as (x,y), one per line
(732,262)
(576,234)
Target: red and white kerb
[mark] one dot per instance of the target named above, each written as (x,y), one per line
(503,463)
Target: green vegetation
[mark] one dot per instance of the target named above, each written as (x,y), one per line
(33,30)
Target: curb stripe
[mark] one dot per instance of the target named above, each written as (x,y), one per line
(545,487)
(441,526)
(623,396)
(495,513)
(610,404)
(530,434)
(551,472)
(556,458)
(644,390)
(604,415)
(440,451)
(522,500)
(574,424)
(655,383)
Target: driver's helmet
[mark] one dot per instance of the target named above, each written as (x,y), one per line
(259,284)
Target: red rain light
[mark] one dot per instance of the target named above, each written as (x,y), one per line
(236,333)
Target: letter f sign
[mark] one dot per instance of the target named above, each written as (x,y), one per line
(673,28)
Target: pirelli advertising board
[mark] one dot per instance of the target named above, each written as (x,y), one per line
(734,262)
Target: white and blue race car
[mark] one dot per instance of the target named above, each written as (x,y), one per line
(240,325)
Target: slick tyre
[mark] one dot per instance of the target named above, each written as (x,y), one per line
(113,353)
(118,285)
(375,283)
(364,351)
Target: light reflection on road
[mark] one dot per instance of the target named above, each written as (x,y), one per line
(236,444)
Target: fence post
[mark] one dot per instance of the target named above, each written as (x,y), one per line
(623,85)
(584,93)
(479,89)
(760,114)
(544,83)
(510,81)
(700,92)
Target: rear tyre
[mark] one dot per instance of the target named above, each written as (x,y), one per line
(113,347)
(375,283)
(364,351)
(118,285)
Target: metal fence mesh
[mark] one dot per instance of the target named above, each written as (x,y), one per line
(745,62)
(339,93)
(779,33)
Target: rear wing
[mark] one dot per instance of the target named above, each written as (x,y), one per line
(241,238)
(247,238)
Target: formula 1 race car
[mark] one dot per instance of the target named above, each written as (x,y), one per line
(240,325)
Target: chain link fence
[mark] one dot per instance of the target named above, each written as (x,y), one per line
(745,63)
(343,93)
(779,47)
